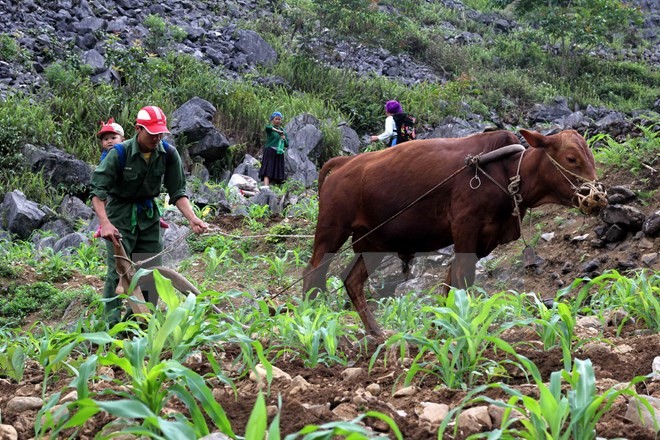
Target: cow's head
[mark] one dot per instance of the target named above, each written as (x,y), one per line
(576,180)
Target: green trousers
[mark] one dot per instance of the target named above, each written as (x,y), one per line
(139,245)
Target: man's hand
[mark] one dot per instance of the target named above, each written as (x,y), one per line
(109,232)
(198,226)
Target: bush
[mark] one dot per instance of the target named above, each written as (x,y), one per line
(23,300)
(9,49)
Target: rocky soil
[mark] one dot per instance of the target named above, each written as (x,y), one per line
(322,394)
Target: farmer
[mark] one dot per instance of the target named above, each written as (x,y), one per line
(123,193)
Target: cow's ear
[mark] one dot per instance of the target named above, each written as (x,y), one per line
(534,139)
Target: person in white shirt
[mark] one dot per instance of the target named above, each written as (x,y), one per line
(389,135)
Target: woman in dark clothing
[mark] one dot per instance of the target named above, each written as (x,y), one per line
(272,163)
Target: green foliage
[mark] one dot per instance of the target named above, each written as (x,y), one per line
(353,429)
(161,34)
(277,233)
(25,299)
(631,154)
(562,411)
(9,48)
(577,25)
(638,295)
(312,331)
(467,327)
(307,208)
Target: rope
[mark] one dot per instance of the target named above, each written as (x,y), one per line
(512,190)
(239,237)
(595,197)
(164,251)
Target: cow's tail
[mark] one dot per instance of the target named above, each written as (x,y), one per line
(331,165)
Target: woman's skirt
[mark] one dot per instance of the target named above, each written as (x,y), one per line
(272,166)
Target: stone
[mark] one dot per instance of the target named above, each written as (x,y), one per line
(20,404)
(259,374)
(640,415)
(406,392)
(345,411)
(651,226)
(496,413)
(655,366)
(352,374)
(433,413)
(300,383)
(374,389)
(71,397)
(627,217)
(589,322)
(8,432)
(474,419)
(215,436)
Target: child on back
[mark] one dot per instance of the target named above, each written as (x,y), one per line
(110,134)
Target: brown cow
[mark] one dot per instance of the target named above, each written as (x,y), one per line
(372,198)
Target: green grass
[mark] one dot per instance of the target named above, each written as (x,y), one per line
(634,154)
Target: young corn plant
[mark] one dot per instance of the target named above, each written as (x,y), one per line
(467,327)
(402,313)
(276,267)
(217,263)
(353,429)
(638,295)
(152,368)
(88,259)
(182,326)
(314,331)
(558,325)
(12,355)
(568,407)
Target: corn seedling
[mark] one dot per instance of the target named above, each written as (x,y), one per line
(402,313)
(353,429)
(88,259)
(466,329)
(217,262)
(313,331)
(638,294)
(276,267)
(12,362)
(561,412)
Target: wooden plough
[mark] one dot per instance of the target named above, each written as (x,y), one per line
(126,271)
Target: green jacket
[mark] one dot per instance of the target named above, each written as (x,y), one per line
(273,137)
(130,196)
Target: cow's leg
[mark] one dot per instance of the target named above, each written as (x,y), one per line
(327,241)
(461,273)
(355,287)
(406,259)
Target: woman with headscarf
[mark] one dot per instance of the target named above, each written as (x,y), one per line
(392,109)
(272,163)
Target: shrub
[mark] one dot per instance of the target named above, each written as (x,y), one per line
(9,49)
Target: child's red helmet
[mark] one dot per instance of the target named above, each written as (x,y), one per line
(110,127)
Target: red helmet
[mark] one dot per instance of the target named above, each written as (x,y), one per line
(152,119)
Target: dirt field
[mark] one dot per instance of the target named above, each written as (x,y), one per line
(322,394)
